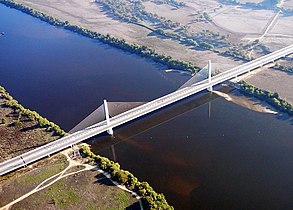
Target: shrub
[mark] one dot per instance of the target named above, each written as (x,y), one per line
(3,121)
(150,199)
(273,99)
(16,122)
(31,115)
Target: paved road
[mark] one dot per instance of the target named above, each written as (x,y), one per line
(67,141)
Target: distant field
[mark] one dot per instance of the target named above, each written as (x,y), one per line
(230,29)
(288,4)
(244,21)
(250,1)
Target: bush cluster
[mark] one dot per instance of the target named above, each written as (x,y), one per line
(31,115)
(141,50)
(3,121)
(271,98)
(151,200)
(284,68)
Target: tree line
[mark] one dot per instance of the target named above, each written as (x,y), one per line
(26,114)
(150,199)
(141,50)
(271,98)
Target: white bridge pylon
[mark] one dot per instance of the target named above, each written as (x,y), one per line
(210,75)
(110,130)
(203,74)
(111,109)
(134,113)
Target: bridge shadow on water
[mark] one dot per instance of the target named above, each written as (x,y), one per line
(150,121)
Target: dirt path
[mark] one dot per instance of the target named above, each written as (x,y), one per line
(51,180)
(270,25)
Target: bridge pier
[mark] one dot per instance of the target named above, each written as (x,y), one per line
(110,130)
(210,76)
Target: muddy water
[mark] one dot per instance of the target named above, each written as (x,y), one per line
(202,153)
(212,156)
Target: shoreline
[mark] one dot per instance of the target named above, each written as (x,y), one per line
(148,199)
(250,103)
(140,50)
(45,184)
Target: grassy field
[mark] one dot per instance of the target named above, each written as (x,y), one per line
(84,190)
(24,181)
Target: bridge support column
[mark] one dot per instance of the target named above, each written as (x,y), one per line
(210,75)
(110,131)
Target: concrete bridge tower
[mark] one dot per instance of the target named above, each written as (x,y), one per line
(110,131)
(210,75)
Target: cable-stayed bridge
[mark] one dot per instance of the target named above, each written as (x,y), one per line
(139,111)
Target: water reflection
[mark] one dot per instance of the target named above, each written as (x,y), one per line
(230,159)
(133,129)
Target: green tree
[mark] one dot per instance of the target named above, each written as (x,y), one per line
(3,121)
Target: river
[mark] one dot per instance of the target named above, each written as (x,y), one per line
(202,153)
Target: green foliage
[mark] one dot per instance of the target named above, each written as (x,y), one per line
(271,98)
(284,68)
(173,3)
(3,121)
(151,200)
(134,11)
(31,115)
(140,50)
(16,122)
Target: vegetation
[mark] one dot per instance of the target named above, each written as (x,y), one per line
(84,190)
(140,50)
(271,98)
(49,168)
(134,11)
(151,199)
(265,4)
(173,3)
(16,122)
(3,121)
(284,68)
(24,113)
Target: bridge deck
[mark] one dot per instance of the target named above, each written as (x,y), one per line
(67,141)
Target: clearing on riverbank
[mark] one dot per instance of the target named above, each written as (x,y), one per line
(55,184)
(274,81)
(19,135)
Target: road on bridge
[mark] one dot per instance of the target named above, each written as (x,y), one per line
(69,140)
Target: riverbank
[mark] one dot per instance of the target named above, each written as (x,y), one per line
(274,81)
(273,99)
(82,23)
(22,129)
(61,182)
(141,50)
(150,199)
(235,96)
(91,15)
(251,103)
